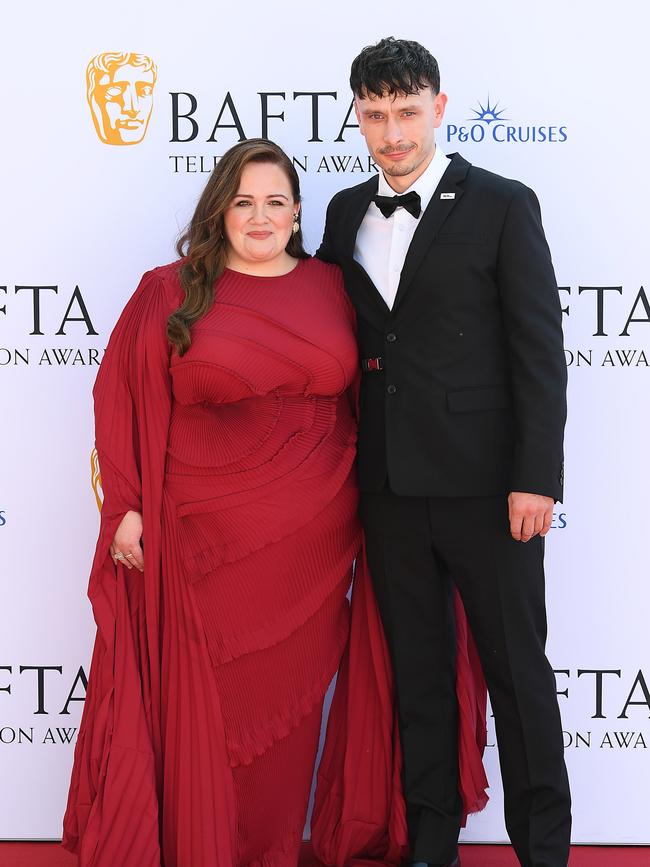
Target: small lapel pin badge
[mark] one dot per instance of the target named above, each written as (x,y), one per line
(447,195)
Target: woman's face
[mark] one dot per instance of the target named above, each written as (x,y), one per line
(258,221)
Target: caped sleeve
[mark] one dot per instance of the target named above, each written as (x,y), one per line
(137,351)
(121,716)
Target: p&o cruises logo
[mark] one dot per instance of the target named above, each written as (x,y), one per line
(490,123)
(119,88)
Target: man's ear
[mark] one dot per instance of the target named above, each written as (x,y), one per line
(439,105)
(357,112)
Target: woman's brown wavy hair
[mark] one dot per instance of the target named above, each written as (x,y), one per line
(203,244)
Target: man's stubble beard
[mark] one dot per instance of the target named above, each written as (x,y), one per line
(399,170)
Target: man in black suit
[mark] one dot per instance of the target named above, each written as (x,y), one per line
(462,414)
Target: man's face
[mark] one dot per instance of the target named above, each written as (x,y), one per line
(400,132)
(121,103)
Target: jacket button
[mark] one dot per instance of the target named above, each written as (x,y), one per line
(391,338)
(391,389)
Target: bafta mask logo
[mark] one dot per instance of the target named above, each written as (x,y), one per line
(120,95)
(96,478)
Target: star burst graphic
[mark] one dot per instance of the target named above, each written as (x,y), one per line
(488,113)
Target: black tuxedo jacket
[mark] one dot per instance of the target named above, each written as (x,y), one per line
(471,400)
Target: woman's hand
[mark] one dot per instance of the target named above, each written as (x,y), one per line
(127,542)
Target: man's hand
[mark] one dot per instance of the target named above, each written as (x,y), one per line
(529,515)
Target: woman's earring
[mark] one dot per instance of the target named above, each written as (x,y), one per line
(296,224)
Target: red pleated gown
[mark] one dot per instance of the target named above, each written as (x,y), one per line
(201,724)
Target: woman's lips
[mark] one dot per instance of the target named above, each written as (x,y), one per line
(259,235)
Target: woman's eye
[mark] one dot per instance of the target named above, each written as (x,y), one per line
(276,202)
(241,202)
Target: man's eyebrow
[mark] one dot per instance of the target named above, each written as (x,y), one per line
(371,110)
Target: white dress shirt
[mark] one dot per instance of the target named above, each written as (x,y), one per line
(382,242)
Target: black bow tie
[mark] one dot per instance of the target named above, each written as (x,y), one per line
(388,204)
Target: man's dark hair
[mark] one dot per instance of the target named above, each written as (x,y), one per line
(394,66)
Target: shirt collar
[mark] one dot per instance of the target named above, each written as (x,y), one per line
(426,184)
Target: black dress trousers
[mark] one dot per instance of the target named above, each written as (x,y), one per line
(415,545)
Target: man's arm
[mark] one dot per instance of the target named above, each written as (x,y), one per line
(533,323)
(326,250)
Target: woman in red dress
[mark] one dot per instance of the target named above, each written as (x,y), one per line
(225,429)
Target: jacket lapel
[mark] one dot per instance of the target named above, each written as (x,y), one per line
(356,211)
(357,208)
(447,195)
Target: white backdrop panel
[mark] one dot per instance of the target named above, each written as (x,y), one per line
(80,213)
